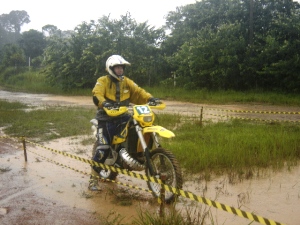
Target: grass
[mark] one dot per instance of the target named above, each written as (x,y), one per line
(44,124)
(205,96)
(35,82)
(168,215)
(172,216)
(11,106)
(235,145)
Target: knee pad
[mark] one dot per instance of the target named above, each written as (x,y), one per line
(101,153)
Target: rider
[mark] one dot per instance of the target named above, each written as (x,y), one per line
(113,90)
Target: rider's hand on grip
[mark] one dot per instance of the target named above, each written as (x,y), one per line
(107,105)
(153,101)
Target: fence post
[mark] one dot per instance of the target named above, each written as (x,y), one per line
(162,197)
(201,115)
(24,148)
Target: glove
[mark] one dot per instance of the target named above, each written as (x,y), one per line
(153,101)
(107,105)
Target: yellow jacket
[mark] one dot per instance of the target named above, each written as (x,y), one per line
(124,91)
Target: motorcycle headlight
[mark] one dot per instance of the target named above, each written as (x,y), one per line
(147,119)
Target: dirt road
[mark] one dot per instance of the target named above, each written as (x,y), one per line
(41,192)
(210,111)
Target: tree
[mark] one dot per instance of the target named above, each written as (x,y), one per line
(10,26)
(13,56)
(13,21)
(4,37)
(238,44)
(33,43)
(51,30)
(83,55)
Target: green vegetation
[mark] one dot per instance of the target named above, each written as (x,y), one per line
(225,146)
(224,97)
(44,124)
(35,82)
(250,45)
(173,216)
(235,146)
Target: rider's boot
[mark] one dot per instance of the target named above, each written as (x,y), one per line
(93,183)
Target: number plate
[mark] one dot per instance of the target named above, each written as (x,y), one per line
(142,109)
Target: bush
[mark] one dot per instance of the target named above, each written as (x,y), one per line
(8,72)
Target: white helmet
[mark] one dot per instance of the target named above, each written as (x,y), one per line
(115,60)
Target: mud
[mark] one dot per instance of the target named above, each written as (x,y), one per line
(43,191)
(48,189)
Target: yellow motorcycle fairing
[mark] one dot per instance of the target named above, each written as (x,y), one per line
(116,111)
(143,115)
(161,131)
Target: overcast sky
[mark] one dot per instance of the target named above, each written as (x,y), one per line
(66,14)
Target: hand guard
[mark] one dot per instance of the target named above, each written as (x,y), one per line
(153,101)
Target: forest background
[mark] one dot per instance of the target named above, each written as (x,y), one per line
(235,45)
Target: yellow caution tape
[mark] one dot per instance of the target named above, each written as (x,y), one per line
(249,111)
(103,166)
(88,174)
(223,207)
(254,119)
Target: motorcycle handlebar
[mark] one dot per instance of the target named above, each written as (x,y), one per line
(117,110)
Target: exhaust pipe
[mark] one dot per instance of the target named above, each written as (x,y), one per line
(132,163)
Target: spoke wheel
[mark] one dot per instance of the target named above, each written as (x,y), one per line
(165,163)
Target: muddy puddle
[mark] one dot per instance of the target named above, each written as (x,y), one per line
(51,189)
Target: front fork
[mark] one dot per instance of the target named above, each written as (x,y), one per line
(139,131)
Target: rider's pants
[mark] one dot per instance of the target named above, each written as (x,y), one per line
(106,131)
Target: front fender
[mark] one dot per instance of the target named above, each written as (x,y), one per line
(163,132)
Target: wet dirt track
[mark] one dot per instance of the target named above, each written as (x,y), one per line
(40,192)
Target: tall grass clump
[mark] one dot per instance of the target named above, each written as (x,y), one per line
(206,96)
(11,106)
(170,216)
(28,80)
(34,81)
(235,145)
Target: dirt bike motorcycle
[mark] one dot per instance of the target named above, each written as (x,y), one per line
(137,148)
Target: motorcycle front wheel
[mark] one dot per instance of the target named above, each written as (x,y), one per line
(164,163)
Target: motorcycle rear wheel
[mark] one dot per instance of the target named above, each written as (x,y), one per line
(165,163)
(104,174)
